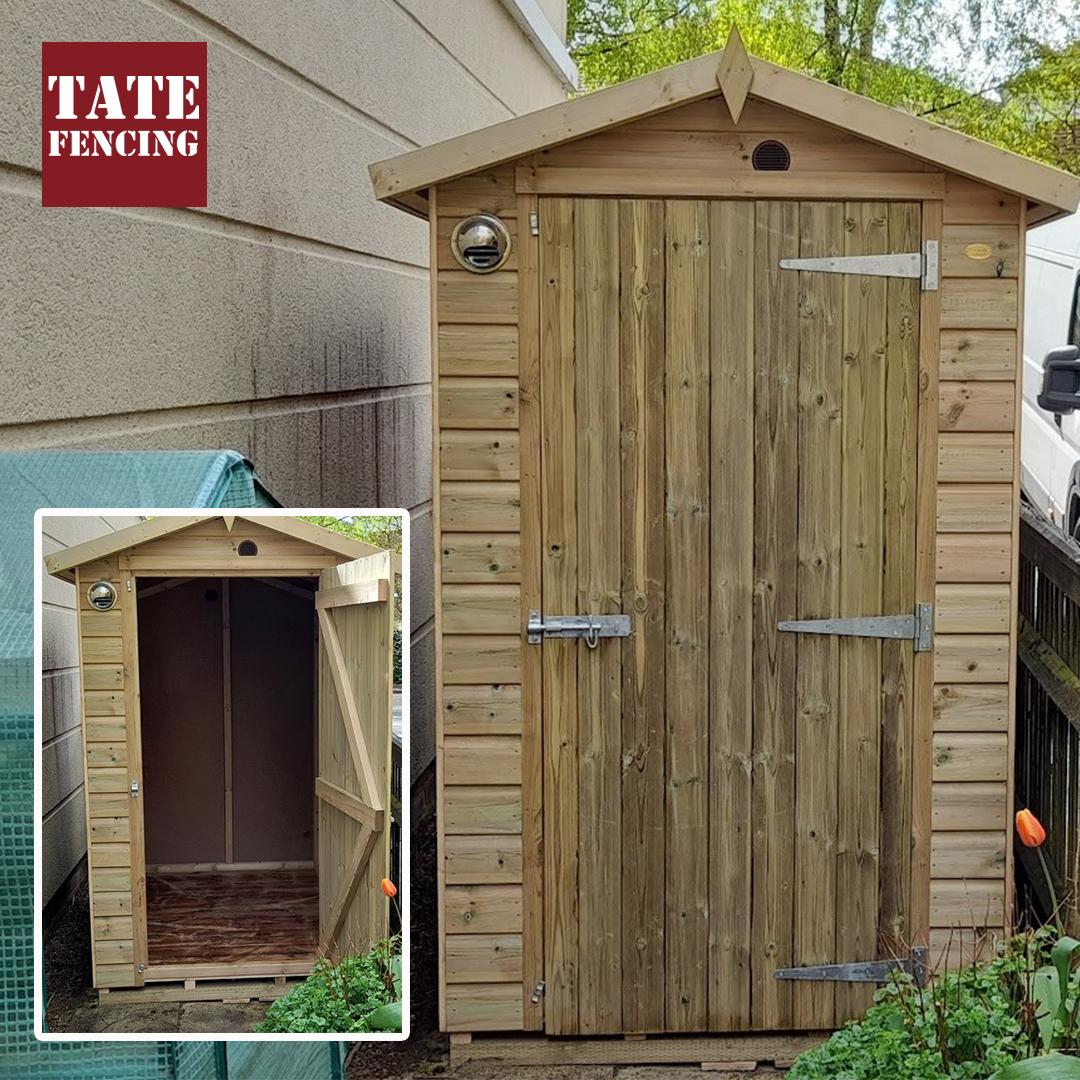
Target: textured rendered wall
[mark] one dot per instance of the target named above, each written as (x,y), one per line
(289,319)
(62,807)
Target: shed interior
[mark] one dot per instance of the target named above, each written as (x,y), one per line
(227,684)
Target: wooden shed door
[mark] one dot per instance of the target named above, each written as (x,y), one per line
(725,444)
(355,686)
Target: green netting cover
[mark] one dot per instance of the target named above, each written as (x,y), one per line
(60,479)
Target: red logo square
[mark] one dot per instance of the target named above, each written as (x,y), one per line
(123,123)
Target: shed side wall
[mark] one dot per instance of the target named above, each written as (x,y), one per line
(978,493)
(108,738)
(479,555)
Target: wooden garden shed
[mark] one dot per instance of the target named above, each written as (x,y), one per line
(719,353)
(236,674)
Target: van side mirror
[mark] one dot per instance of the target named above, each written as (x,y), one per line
(1060,391)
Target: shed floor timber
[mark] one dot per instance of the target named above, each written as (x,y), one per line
(234,917)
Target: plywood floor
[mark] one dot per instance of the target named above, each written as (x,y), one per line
(232,917)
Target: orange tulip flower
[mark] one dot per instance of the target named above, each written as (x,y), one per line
(1032,834)
(389,887)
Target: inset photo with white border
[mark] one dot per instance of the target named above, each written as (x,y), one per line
(222,844)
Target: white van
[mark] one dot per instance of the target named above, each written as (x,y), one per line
(1050,440)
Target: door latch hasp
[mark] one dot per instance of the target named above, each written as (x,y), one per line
(589,627)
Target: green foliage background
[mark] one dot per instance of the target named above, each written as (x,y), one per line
(1014,80)
(384,532)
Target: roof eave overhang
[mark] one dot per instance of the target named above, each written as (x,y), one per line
(1043,214)
(63,563)
(400,180)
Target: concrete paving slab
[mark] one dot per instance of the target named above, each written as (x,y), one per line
(482,1071)
(216,1017)
(673,1072)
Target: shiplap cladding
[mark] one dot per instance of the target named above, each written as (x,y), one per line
(479,564)
(288,319)
(487,521)
(978,392)
(63,825)
(107,643)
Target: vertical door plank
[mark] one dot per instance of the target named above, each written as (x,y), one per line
(687,680)
(897,657)
(596,308)
(776,462)
(731,305)
(129,615)
(860,594)
(816,779)
(641,256)
(532,730)
(925,573)
(559,510)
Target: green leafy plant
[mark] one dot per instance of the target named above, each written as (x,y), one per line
(1053,988)
(1050,1067)
(1016,1017)
(965,1025)
(1057,998)
(386,1017)
(357,995)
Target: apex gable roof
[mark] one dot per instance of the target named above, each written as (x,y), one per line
(63,562)
(397,180)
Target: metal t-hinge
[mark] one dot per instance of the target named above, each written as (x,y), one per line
(923,265)
(589,627)
(869,971)
(918,628)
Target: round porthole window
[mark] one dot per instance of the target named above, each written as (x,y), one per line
(102,595)
(481,243)
(248,547)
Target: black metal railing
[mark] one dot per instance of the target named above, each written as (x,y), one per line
(1048,707)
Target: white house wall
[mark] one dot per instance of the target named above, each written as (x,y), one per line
(62,807)
(289,320)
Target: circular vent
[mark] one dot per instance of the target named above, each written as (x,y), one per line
(771,156)
(248,547)
(101,595)
(481,243)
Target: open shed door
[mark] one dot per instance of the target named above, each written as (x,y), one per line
(729,444)
(356,634)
